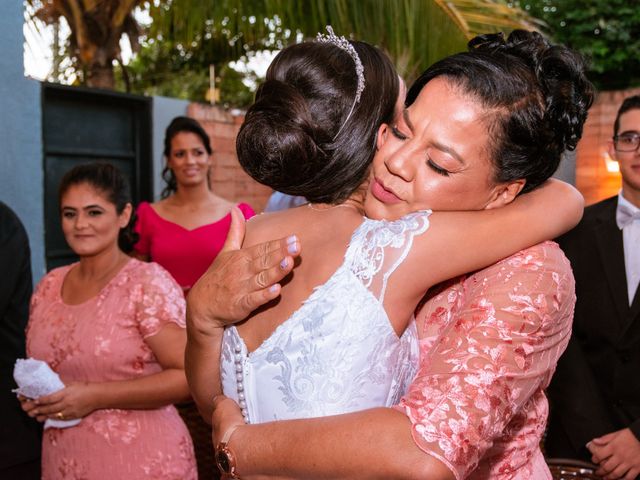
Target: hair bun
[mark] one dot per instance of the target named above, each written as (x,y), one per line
(567,92)
(490,42)
(279,140)
(289,140)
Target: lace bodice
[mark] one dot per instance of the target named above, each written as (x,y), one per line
(338,352)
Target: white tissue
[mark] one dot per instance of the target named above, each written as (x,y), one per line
(35,379)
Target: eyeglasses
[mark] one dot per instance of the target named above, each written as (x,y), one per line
(627,142)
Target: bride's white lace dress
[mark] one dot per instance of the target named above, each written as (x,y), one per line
(338,352)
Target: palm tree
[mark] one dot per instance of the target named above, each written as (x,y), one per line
(96,29)
(416,33)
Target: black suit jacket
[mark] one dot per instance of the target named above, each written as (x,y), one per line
(596,387)
(19,434)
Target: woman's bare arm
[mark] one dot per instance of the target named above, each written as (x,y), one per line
(372,444)
(461,242)
(79,399)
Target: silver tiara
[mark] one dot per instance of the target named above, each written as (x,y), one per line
(344,44)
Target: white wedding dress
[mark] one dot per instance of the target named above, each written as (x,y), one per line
(338,352)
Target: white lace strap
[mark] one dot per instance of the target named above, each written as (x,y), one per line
(378,247)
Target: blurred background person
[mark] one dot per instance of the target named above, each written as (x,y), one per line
(595,392)
(186,229)
(282,201)
(19,434)
(112,327)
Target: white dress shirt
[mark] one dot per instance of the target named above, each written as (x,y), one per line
(631,242)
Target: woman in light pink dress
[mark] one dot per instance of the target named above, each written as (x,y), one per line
(112,327)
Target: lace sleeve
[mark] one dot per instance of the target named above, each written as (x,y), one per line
(499,349)
(378,247)
(161,301)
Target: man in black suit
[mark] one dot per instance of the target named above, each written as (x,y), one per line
(19,434)
(595,392)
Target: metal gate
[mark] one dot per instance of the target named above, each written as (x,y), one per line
(82,125)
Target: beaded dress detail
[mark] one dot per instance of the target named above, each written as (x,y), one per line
(338,352)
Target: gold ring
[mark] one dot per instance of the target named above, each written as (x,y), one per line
(60,415)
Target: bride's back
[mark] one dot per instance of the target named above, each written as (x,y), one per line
(327,345)
(324,232)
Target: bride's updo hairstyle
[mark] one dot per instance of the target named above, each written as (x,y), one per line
(536,95)
(300,137)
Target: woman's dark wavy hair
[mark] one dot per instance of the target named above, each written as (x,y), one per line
(295,139)
(537,94)
(108,180)
(177,125)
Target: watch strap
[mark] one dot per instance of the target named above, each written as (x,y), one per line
(227,435)
(224,456)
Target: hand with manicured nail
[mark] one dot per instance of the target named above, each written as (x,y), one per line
(237,282)
(240,280)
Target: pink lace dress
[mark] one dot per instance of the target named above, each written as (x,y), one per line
(489,345)
(103,340)
(186,254)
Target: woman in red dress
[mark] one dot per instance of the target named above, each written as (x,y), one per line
(185,230)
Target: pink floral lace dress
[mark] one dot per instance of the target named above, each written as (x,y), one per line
(103,340)
(489,344)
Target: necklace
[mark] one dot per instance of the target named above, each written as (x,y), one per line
(318,209)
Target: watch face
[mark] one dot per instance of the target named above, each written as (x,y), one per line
(222,460)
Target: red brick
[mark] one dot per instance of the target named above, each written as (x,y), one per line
(220,144)
(225,159)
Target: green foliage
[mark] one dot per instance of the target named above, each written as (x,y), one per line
(233,91)
(164,68)
(186,36)
(416,33)
(607,32)
(179,67)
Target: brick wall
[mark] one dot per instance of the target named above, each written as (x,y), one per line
(227,177)
(592,177)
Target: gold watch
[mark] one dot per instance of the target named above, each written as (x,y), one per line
(225,458)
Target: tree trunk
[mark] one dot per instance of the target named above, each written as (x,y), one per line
(100,71)
(101,76)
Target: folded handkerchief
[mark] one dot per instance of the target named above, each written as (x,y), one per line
(35,379)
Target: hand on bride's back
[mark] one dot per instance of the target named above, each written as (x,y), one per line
(240,279)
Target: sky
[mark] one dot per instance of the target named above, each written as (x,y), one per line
(38,54)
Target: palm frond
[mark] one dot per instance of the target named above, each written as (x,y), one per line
(416,33)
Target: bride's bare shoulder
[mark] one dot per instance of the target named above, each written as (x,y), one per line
(270,225)
(307,224)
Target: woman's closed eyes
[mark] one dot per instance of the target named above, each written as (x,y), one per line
(395,131)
